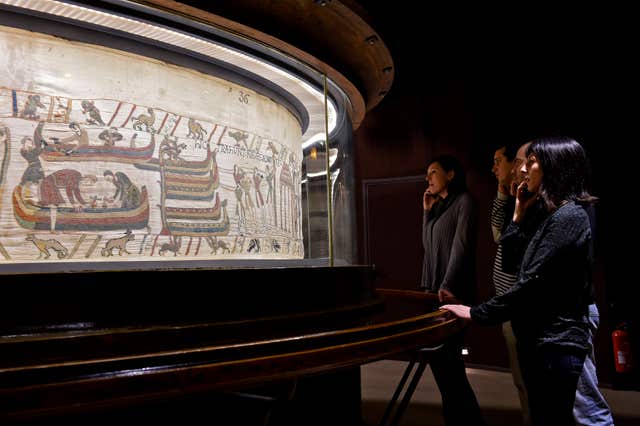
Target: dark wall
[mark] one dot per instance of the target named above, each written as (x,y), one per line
(465,88)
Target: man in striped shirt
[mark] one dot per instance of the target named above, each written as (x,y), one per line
(505,164)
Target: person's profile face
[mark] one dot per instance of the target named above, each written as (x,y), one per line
(438,179)
(533,173)
(501,166)
(518,162)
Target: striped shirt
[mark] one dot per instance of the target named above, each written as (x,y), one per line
(498,215)
(502,281)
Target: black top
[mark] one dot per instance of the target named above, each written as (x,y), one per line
(548,304)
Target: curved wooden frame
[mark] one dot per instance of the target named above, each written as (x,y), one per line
(35,389)
(361,64)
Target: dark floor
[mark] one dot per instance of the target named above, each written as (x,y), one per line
(494,389)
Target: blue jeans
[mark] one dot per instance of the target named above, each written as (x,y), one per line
(551,377)
(590,407)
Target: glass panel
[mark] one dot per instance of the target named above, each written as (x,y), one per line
(342,182)
(314,198)
(108,155)
(340,164)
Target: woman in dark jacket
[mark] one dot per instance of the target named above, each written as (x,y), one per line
(549,237)
(448,269)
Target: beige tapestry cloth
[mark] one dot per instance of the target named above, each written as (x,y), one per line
(107,155)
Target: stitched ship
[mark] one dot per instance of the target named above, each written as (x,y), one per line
(186,187)
(200,228)
(32,216)
(190,181)
(212,213)
(101,153)
(180,166)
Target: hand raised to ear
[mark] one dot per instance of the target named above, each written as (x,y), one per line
(428,200)
(524,200)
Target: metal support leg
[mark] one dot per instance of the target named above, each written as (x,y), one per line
(272,401)
(397,392)
(421,357)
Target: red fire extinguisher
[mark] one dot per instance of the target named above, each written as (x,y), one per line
(622,350)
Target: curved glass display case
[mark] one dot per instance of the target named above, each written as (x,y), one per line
(134,138)
(174,198)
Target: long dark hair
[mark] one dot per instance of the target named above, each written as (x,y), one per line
(565,171)
(448,163)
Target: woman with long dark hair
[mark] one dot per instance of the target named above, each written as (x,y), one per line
(550,238)
(448,238)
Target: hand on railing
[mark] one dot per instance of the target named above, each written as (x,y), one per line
(461,311)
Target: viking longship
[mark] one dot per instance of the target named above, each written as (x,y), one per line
(200,228)
(185,187)
(210,213)
(102,153)
(32,216)
(191,192)
(186,167)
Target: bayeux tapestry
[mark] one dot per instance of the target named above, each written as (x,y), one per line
(106,155)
